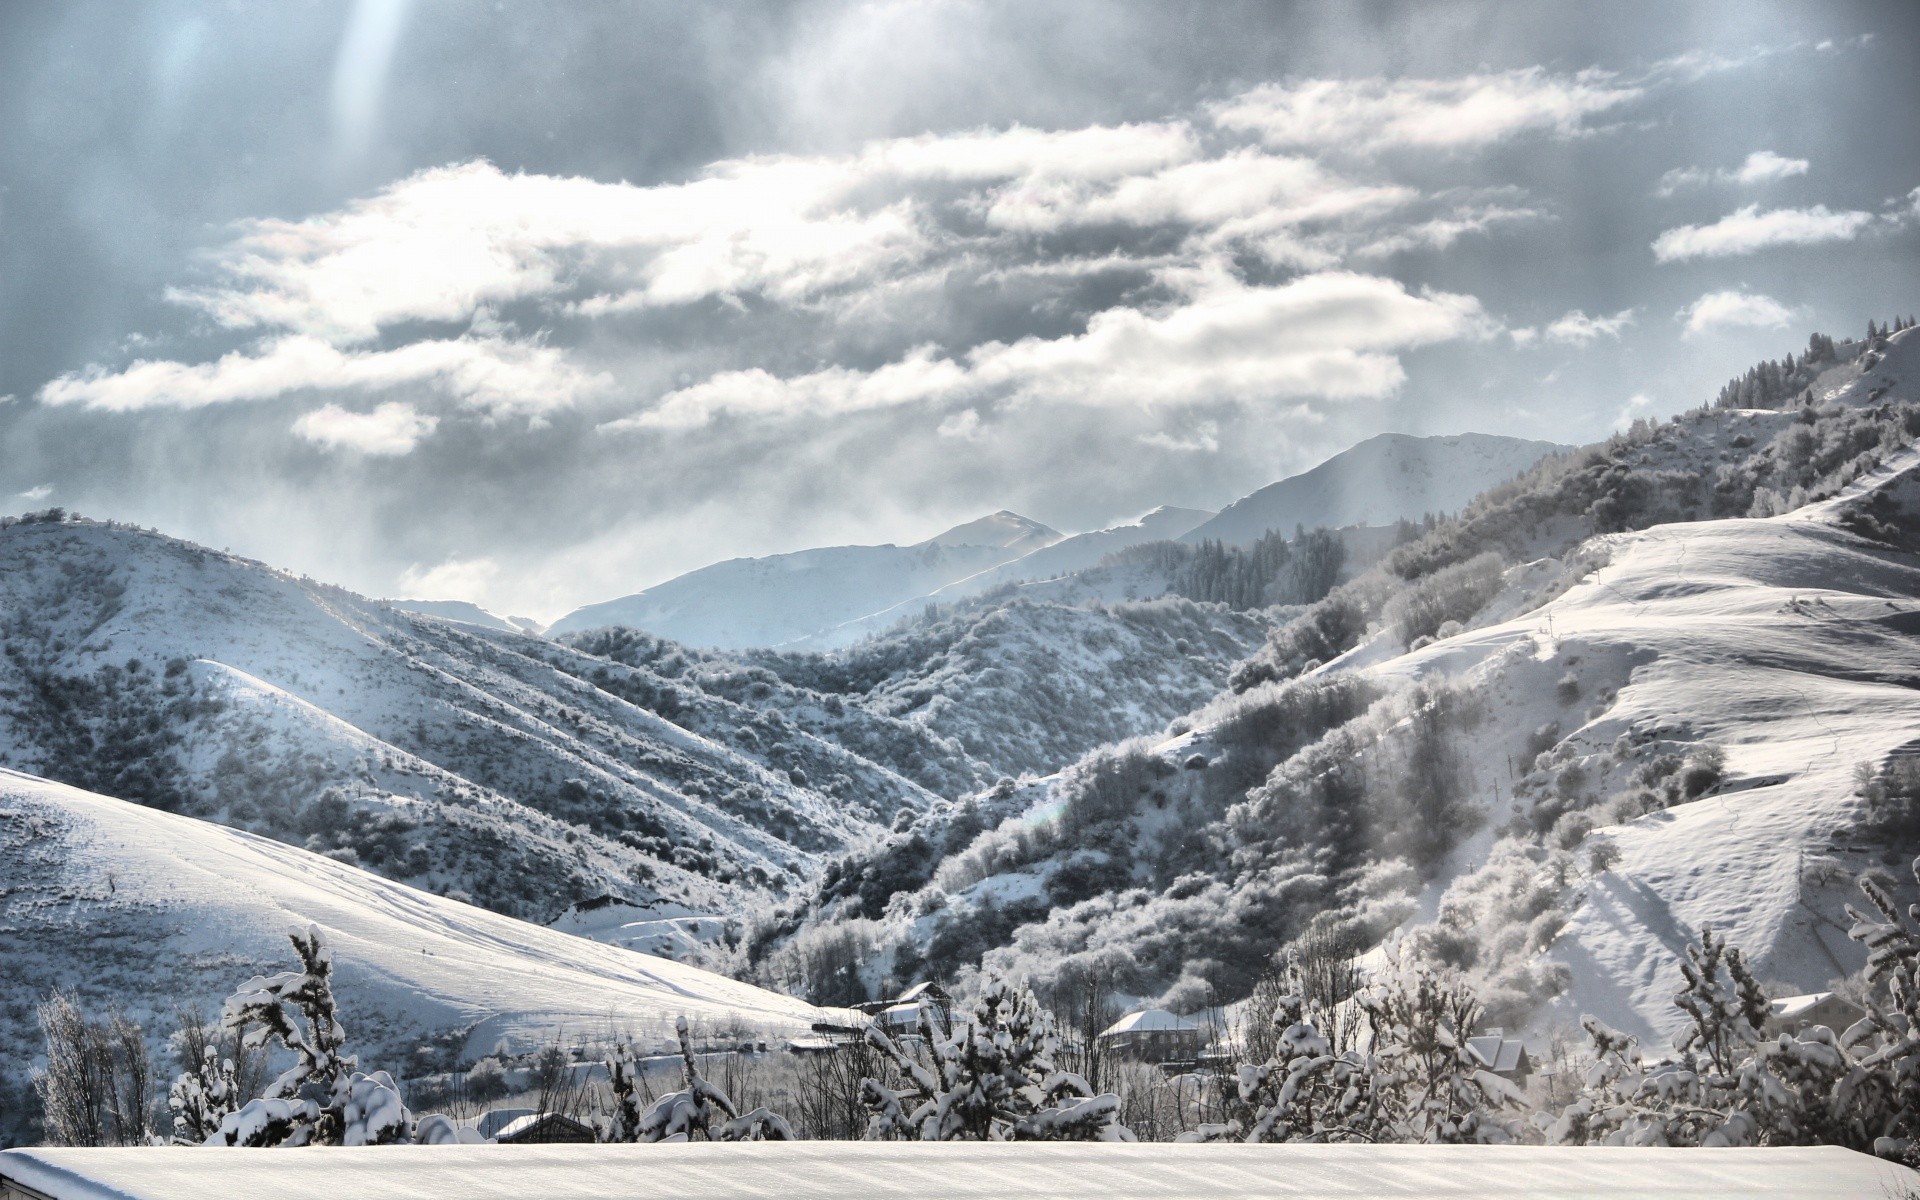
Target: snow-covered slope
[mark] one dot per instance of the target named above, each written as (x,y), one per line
(984,688)
(1067,556)
(787,597)
(144,908)
(519,771)
(469,612)
(1382,480)
(1550,741)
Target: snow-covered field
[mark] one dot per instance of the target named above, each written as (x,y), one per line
(956,1170)
(147,907)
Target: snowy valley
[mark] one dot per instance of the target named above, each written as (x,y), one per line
(1626,694)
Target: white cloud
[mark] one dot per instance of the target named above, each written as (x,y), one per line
(1635,408)
(1762,166)
(1369,115)
(488,371)
(36,493)
(1329,336)
(1441,232)
(1748,229)
(963,426)
(391,429)
(1578,329)
(1202,438)
(454,579)
(1732,310)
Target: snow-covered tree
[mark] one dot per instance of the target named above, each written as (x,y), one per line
(320,1100)
(1426,1084)
(1310,1088)
(1730,1084)
(1884,1086)
(992,1078)
(202,1098)
(686,1114)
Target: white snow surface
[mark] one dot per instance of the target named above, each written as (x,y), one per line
(1788,642)
(468,612)
(785,598)
(100,889)
(952,1171)
(1377,482)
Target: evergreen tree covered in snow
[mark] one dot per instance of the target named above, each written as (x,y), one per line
(201,1098)
(1884,1086)
(1428,1085)
(686,1114)
(1729,1086)
(1312,1089)
(992,1078)
(321,1099)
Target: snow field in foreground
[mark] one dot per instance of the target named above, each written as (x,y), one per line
(939,1171)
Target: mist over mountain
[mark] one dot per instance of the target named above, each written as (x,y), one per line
(1384,479)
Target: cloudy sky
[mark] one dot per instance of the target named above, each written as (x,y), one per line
(536,307)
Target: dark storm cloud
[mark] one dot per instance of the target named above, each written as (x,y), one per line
(441,298)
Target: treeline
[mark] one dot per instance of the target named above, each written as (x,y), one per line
(1778,383)
(1273,570)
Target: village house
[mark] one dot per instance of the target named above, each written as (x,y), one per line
(1153,1035)
(1792,1014)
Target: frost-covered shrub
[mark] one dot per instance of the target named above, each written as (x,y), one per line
(686,1115)
(1452,594)
(95,1089)
(1414,1081)
(992,1078)
(1891,801)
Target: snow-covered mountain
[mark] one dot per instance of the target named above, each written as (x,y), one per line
(459,758)
(786,598)
(1069,555)
(1382,480)
(998,685)
(1616,701)
(150,908)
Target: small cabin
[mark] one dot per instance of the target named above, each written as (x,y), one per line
(1154,1035)
(1505,1056)
(1791,1014)
(542,1129)
(901,1015)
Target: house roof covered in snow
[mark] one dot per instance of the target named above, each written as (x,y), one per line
(1147,1020)
(1500,1054)
(918,1171)
(1787,1007)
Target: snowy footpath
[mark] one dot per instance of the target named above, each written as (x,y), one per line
(989,1171)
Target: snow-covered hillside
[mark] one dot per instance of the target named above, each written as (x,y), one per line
(471,613)
(995,686)
(1615,702)
(144,908)
(516,770)
(1382,480)
(789,597)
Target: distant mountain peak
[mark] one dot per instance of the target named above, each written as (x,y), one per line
(1003,530)
(1376,482)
